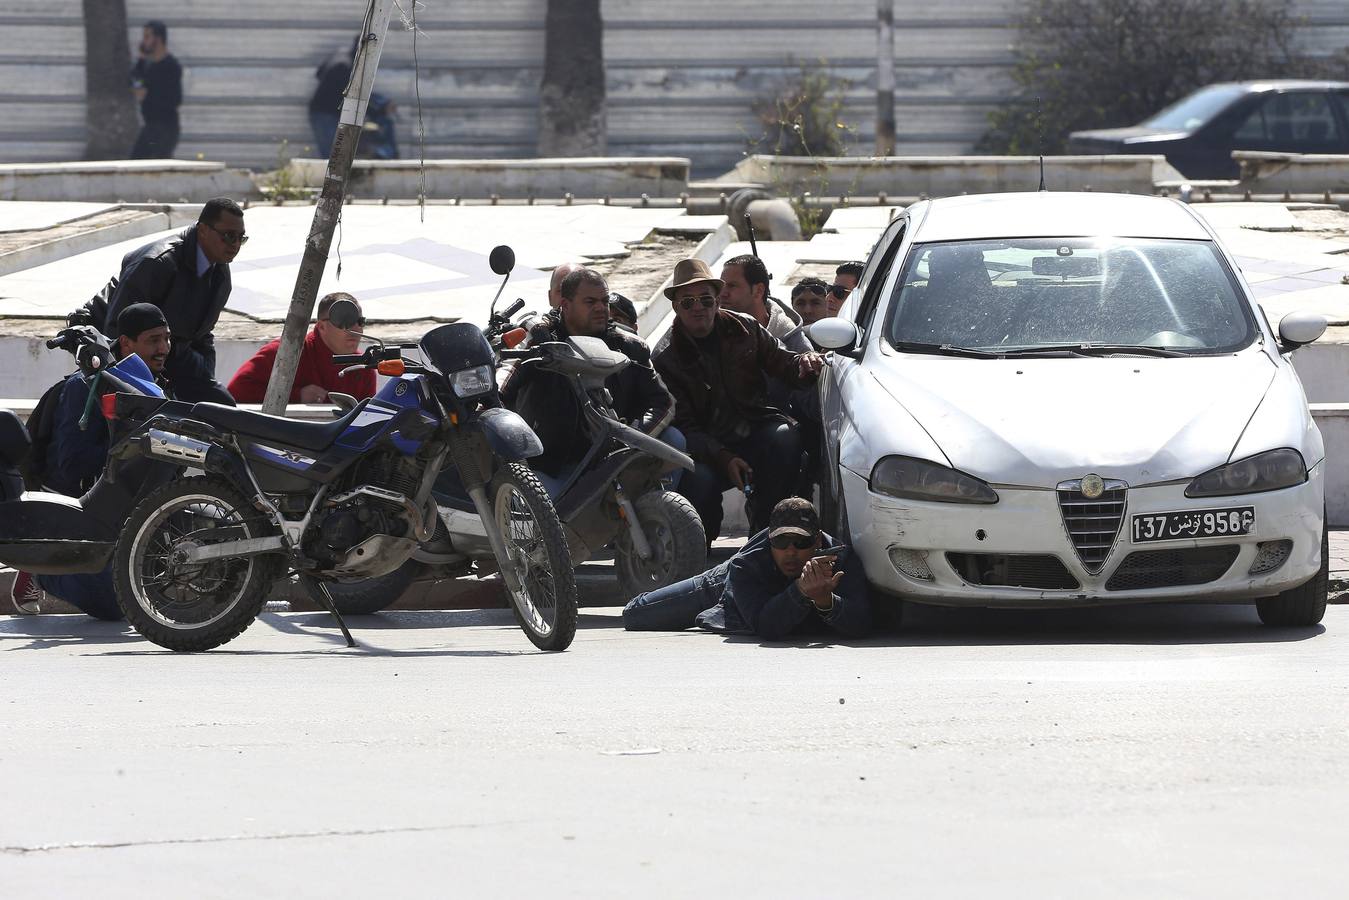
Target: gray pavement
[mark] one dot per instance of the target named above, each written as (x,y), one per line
(1146,751)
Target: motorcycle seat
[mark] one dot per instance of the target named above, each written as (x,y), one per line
(292,433)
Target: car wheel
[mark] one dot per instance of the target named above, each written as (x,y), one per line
(1304,605)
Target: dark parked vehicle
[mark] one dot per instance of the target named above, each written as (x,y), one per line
(1198,133)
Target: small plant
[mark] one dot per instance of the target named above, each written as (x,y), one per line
(804,117)
(281,185)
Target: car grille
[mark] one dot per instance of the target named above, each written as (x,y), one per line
(1146,569)
(1093,524)
(1040,571)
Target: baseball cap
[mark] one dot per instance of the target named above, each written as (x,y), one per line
(139,318)
(794,515)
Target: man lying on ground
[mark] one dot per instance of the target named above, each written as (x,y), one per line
(775,586)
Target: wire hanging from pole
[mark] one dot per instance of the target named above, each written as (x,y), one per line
(410,21)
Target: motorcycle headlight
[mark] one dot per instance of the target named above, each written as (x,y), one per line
(1268,471)
(472,382)
(916,479)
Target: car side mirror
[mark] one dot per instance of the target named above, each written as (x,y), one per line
(502,259)
(1297,329)
(344,314)
(834,334)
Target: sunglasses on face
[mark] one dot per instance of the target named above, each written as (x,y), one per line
(800,542)
(707,301)
(840,291)
(230,237)
(360,323)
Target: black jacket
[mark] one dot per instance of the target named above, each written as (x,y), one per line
(165,273)
(720,386)
(546,401)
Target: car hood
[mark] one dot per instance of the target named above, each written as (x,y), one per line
(1036,422)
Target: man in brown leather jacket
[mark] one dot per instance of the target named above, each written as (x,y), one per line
(717,367)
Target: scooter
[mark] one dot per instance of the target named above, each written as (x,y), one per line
(616,495)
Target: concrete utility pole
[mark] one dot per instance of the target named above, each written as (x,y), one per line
(885,77)
(329,206)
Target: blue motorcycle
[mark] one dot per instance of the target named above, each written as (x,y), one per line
(341,502)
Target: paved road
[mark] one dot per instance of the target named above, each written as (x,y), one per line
(1177,752)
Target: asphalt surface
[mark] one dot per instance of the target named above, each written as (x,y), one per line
(1145,751)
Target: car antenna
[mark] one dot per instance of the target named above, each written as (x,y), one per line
(754,251)
(1040,133)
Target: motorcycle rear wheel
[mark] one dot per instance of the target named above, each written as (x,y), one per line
(545,607)
(190,606)
(678,545)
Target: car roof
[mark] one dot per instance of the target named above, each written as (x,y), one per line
(1286,84)
(1054,214)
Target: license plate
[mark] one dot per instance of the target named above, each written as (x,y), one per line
(1197,523)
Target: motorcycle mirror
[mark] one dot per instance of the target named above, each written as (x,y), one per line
(344,314)
(502,259)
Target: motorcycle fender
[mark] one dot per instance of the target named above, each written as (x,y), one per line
(509,436)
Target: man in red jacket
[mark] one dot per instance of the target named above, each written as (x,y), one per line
(316,374)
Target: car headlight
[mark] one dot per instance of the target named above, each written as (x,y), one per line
(472,382)
(916,479)
(1268,471)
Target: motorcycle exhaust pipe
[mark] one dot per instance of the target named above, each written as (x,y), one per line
(176,448)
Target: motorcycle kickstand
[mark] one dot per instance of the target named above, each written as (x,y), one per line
(332,608)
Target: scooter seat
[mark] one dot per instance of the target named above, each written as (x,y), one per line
(293,433)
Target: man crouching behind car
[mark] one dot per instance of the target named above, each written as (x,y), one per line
(777,585)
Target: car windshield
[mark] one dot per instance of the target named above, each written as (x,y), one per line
(1020,295)
(1192,111)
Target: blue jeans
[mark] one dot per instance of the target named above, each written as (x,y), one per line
(93,593)
(672,436)
(676,606)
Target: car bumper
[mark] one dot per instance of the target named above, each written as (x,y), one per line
(923,551)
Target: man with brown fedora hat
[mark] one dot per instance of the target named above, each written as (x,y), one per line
(717,366)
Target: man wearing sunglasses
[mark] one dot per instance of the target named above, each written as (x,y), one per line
(717,366)
(846,277)
(777,585)
(187,276)
(546,401)
(316,376)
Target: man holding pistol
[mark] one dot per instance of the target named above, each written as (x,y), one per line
(786,580)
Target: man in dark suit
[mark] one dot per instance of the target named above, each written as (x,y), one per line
(187,276)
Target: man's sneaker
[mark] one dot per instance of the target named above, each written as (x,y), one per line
(26,594)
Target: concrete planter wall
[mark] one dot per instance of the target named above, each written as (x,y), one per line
(1296,173)
(944,176)
(130,181)
(507,178)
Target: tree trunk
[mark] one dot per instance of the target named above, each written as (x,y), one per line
(572,120)
(110,117)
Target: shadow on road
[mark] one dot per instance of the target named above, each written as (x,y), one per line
(1158,624)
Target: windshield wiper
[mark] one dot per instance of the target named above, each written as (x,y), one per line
(943,350)
(1092,349)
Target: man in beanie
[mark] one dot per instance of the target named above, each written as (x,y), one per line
(77,456)
(717,366)
(778,584)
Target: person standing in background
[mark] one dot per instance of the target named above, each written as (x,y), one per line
(157,82)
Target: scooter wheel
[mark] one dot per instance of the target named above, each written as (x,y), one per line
(678,544)
(183,605)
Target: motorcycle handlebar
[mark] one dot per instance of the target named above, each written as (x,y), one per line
(513,309)
(348,359)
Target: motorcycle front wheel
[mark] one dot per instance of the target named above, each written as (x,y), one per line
(183,605)
(545,605)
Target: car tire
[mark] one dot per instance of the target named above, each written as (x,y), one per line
(1304,605)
